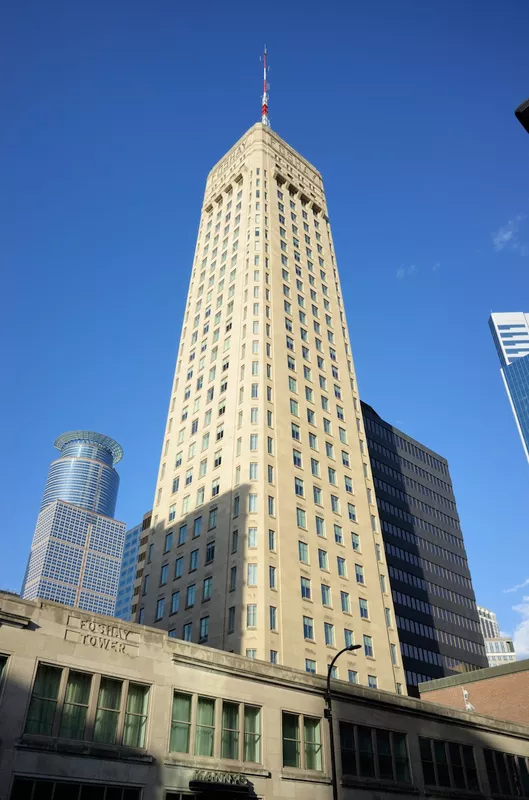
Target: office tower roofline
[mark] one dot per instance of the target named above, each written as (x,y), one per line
(106,442)
(259,126)
(434,453)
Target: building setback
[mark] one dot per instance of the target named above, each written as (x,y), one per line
(265,537)
(129,562)
(499,648)
(510,332)
(93,707)
(77,546)
(435,607)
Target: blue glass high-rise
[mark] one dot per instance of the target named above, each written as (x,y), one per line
(510,332)
(77,547)
(129,566)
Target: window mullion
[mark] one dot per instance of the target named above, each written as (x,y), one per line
(92,707)
(122,711)
(301,729)
(217,733)
(60,701)
(449,763)
(241,732)
(193,726)
(374,745)
(357,752)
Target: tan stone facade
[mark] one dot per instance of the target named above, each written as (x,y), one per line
(501,691)
(266,539)
(128,713)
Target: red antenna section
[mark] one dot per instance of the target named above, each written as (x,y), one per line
(264,103)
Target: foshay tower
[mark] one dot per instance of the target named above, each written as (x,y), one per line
(265,537)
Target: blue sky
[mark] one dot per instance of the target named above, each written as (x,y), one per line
(113,113)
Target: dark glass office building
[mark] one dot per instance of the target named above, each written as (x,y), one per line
(435,606)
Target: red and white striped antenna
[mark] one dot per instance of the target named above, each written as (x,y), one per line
(264,103)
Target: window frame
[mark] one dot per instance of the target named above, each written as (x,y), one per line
(92,705)
(217,728)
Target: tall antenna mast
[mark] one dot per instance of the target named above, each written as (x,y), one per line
(264,104)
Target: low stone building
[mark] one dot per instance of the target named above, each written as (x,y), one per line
(93,708)
(501,691)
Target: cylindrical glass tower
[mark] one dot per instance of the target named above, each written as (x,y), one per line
(84,473)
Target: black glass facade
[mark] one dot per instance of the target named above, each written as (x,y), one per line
(435,606)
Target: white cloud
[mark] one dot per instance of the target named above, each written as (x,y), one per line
(436,266)
(518,586)
(403,272)
(521,632)
(508,237)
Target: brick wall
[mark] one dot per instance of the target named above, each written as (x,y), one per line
(503,696)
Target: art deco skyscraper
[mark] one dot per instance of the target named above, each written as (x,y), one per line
(266,538)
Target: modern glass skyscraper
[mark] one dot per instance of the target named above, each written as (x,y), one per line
(76,551)
(127,575)
(510,332)
(266,538)
(435,607)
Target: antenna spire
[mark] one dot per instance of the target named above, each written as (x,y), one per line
(264,103)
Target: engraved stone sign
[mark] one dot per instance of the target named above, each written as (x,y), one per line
(110,637)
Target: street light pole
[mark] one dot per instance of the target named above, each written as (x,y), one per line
(328,716)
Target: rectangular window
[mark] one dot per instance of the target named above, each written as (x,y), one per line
(308,628)
(364,608)
(368,646)
(160,604)
(231,619)
(272,577)
(251,615)
(359,573)
(452,765)
(175,602)
(107,711)
(252,574)
(342,567)
(301,518)
(190,595)
(305,588)
(205,727)
(203,629)
(329,633)
(180,723)
(345,602)
(326,595)
(303,551)
(373,752)
(163,574)
(193,560)
(348,636)
(273,618)
(310,666)
(355,541)
(322,559)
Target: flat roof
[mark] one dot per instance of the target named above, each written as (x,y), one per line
(476,675)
